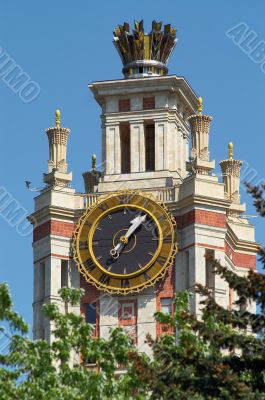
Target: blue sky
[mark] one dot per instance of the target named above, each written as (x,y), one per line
(63,46)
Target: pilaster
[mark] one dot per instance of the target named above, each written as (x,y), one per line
(113,149)
(161,145)
(137,145)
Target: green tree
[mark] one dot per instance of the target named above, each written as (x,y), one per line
(37,370)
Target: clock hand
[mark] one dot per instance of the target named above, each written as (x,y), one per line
(135,223)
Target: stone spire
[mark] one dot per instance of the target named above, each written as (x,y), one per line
(231,176)
(91,178)
(57,166)
(200,129)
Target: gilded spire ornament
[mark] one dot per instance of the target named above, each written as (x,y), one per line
(230,151)
(57,118)
(94,162)
(200,105)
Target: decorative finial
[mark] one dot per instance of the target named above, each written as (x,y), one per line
(200,105)
(230,151)
(144,54)
(57,118)
(94,162)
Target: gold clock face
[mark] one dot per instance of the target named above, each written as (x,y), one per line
(125,242)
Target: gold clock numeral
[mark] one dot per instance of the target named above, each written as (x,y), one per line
(83,245)
(88,224)
(146,276)
(161,260)
(125,199)
(103,207)
(89,265)
(146,203)
(125,283)
(167,239)
(105,279)
(122,200)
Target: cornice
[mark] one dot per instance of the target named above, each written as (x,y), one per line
(52,212)
(169,83)
(239,245)
(198,200)
(165,114)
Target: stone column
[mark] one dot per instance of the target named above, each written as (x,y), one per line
(185,148)
(113,149)
(142,147)
(109,308)
(161,146)
(231,176)
(197,274)
(181,150)
(137,144)
(221,287)
(172,144)
(145,318)
(38,299)
(52,286)
(104,145)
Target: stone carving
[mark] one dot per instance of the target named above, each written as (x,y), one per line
(200,127)
(231,176)
(57,166)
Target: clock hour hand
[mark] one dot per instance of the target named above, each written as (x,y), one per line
(135,223)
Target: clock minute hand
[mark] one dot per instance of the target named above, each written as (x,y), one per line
(135,223)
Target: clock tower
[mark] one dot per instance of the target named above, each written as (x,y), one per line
(151,213)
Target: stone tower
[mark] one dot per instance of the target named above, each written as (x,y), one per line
(155,138)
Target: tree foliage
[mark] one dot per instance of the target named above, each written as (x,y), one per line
(39,370)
